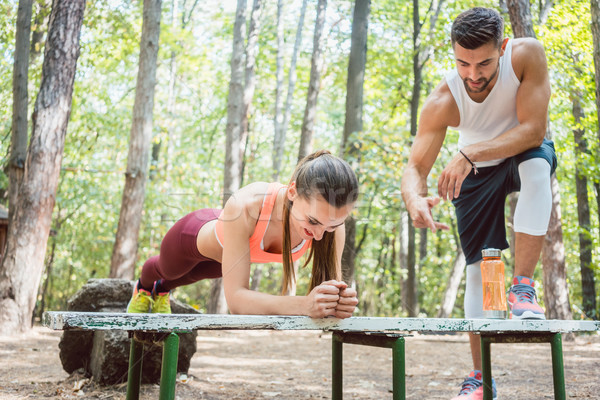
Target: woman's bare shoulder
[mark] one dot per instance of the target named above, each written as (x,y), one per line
(248,200)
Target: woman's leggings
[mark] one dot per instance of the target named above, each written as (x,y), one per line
(179,262)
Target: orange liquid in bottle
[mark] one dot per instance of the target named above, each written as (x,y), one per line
(492,279)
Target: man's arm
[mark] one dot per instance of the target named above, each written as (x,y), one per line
(436,116)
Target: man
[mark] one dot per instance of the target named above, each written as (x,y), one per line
(497,98)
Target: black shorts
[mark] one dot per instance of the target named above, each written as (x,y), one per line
(480,206)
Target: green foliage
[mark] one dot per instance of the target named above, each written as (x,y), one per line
(189,125)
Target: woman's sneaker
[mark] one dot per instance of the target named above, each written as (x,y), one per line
(141,301)
(162,302)
(522,299)
(472,388)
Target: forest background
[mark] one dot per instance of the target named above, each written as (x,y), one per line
(397,271)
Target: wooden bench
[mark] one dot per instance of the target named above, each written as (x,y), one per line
(380,332)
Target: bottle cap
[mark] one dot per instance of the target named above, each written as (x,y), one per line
(491,252)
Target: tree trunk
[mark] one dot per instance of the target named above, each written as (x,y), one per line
(597,190)
(520,18)
(553,251)
(453,284)
(410,295)
(170,139)
(595,12)
(18,145)
(556,294)
(278,117)
(281,126)
(256,277)
(235,100)
(316,68)
(403,253)
(415,99)
(423,233)
(583,215)
(249,80)
(513,198)
(349,252)
(48,267)
(40,23)
(409,287)
(124,254)
(23,262)
(420,55)
(353,122)
(294,286)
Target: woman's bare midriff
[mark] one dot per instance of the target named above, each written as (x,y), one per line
(207,242)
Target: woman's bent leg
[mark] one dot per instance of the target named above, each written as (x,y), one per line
(179,262)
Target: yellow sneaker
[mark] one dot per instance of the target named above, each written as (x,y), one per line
(161,303)
(141,301)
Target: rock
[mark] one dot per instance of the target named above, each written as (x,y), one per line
(104,355)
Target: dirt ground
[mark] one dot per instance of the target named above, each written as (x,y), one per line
(296,365)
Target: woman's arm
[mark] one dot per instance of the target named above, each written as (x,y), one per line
(348,300)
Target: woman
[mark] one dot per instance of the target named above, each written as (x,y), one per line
(263,222)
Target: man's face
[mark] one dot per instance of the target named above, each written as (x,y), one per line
(478,68)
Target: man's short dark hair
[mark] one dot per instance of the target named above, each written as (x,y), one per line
(477,27)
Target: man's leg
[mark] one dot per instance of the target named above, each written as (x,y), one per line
(475,341)
(532,216)
(474,307)
(527,253)
(472,386)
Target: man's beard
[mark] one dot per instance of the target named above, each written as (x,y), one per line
(486,82)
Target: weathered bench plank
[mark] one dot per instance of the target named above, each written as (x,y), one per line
(358,330)
(59,320)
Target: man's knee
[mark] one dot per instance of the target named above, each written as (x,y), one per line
(534,174)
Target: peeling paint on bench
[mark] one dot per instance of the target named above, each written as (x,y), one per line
(59,320)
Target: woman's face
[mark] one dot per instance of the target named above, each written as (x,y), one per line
(314,216)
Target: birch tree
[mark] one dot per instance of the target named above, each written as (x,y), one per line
(282,117)
(232,167)
(458,269)
(316,67)
(130,218)
(249,80)
(28,231)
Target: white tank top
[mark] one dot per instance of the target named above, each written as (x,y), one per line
(495,115)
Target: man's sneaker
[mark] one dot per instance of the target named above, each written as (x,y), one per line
(522,300)
(162,302)
(141,301)
(472,388)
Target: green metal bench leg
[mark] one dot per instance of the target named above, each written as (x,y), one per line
(558,371)
(134,373)
(168,372)
(486,368)
(399,370)
(336,368)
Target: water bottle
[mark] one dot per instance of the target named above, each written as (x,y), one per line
(492,279)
